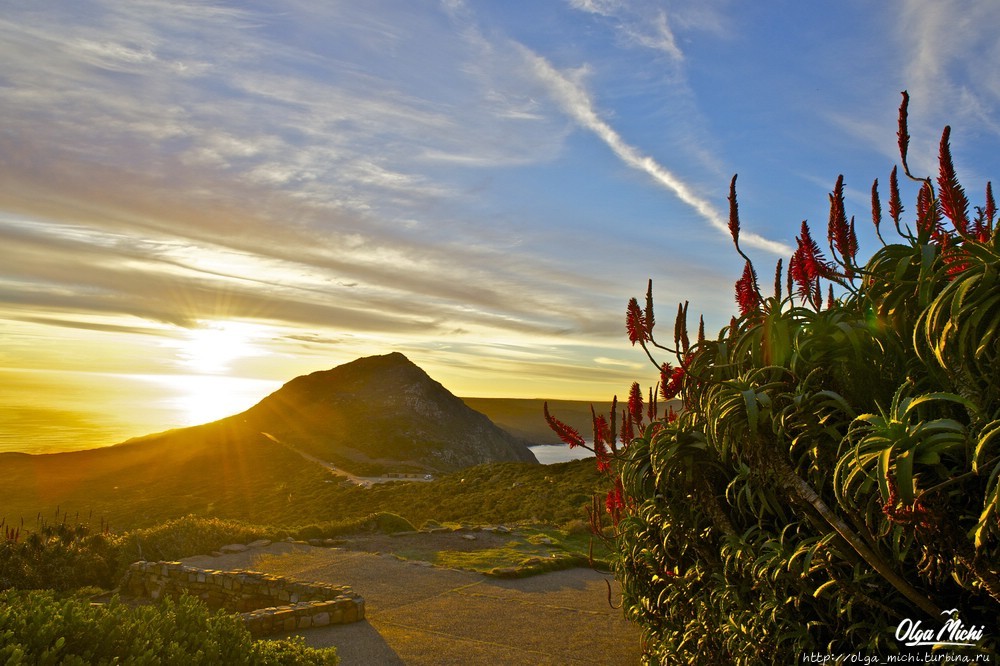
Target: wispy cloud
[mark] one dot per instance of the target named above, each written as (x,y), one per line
(210,149)
(640,26)
(573,97)
(949,61)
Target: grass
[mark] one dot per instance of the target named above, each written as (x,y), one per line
(529,550)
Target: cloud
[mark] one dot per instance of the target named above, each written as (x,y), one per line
(951,51)
(637,26)
(571,95)
(167,163)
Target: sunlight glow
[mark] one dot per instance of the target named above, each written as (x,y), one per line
(197,399)
(211,348)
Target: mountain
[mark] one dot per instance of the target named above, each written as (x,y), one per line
(372,416)
(380,412)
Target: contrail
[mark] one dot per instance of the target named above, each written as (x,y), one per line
(577,104)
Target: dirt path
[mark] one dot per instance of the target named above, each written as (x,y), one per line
(422,615)
(333,469)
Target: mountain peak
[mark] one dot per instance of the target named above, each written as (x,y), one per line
(383,411)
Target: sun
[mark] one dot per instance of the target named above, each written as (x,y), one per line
(206,386)
(213,346)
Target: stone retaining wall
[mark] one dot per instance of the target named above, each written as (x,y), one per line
(267,603)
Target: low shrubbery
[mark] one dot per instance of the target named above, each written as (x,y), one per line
(38,627)
(60,557)
(834,473)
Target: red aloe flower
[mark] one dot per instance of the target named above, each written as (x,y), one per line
(852,240)
(734,213)
(895,202)
(628,428)
(635,403)
(701,327)
(746,296)
(807,266)
(902,135)
(984,221)
(681,340)
(954,203)
(991,205)
(648,320)
(813,262)
(671,386)
(602,431)
(614,502)
(838,233)
(634,323)
(612,430)
(876,209)
(953,256)
(666,372)
(566,433)
(651,410)
(928,215)
(603,459)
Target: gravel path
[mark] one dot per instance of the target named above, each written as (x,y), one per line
(418,614)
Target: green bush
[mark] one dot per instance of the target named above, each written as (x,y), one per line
(57,556)
(834,469)
(39,628)
(63,557)
(390,523)
(187,536)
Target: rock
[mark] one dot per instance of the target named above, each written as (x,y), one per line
(503,529)
(504,572)
(469,537)
(546,540)
(259,543)
(234,548)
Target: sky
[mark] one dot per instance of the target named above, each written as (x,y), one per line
(202,200)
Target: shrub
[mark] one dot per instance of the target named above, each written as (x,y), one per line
(390,523)
(57,556)
(190,535)
(834,469)
(63,557)
(38,627)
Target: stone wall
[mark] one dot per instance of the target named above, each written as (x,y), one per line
(267,603)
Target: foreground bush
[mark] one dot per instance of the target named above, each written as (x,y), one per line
(63,557)
(58,556)
(833,474)
(39,628)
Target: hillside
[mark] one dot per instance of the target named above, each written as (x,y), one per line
(376,414)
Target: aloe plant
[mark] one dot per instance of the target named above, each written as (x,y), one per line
(835,468)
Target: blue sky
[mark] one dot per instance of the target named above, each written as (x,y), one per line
(265,189)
